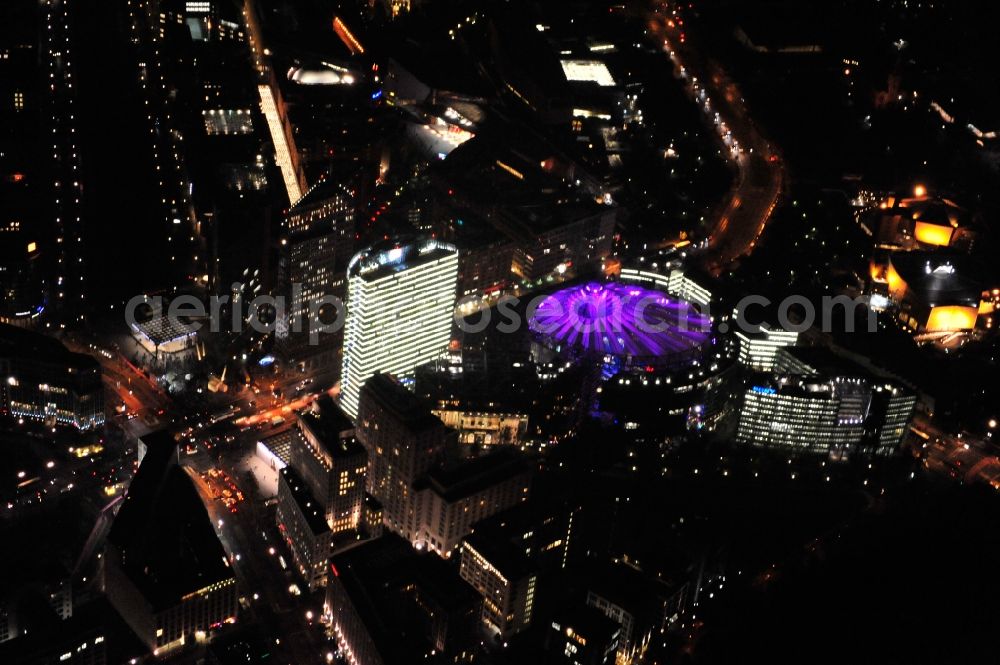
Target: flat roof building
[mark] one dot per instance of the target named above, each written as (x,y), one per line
(40,379)
(400,309)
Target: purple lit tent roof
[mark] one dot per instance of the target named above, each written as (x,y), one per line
(620,320)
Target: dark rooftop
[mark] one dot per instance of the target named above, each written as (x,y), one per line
(941,279)
(413,412)
(824,361)
(465,478)
(332,428)
(377,574)
(310,508)
(24,344)
(163,531)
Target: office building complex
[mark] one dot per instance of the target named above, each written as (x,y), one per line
(758,350)
(321,493)
(449,501)
(404,441)
(400,304)
(825,408)
(316,243)
(42,380)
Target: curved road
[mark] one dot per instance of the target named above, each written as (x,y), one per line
(761,172)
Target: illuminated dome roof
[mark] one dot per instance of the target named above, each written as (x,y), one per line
(629,322)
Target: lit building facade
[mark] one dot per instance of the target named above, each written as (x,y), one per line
(798,416)
(482,428)
(40,379)
(450,501)
(316,244)
(404,441)
(304,527)
(400,308)
(506,586)
(758,350)
(838,416)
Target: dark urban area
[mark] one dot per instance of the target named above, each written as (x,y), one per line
(499,332)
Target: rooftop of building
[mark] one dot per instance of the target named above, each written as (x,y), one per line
(394,256)
(824,361)
(311,509)
(162,329)
(469,477)
(629,588)
(408,409)
(164,533)
(811,387)
(331,426)
(324,190)
(28,345)
(587,622)
(941,279)
(501,553)
(379,575)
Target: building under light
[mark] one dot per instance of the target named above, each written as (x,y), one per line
(506,581)
(164,334)
(22,290)
(449,501)
(823,404)
(286,156)
(758,350)
(400,308)
(303,525)
(654,358)
(316,245)
(938,294)
(42,380)
(923,223)
(404,441)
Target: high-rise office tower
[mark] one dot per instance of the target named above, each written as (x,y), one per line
(404,441)
(316,243)
(400,303)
